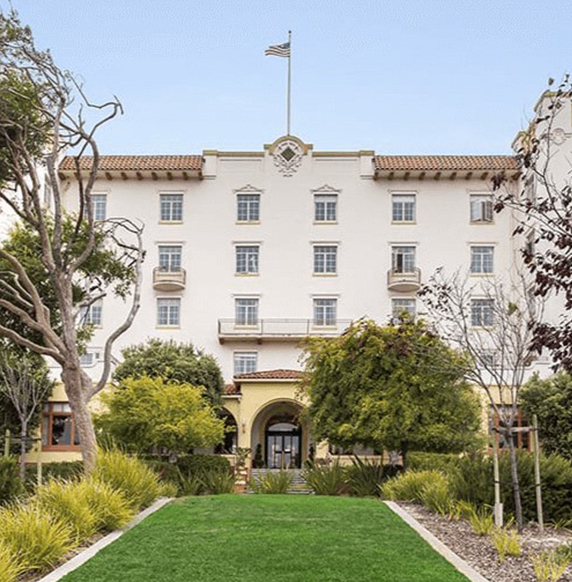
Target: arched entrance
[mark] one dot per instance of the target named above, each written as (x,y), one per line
(283,436)
(279,438)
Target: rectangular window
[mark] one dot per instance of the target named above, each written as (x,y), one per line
(58,427)
(92,315)
(247,259)
(169,312)
(170,258)
(403,208)
(482,312)
(171,207)
(481,208)
(325,259)
(325,207)
(403,259)
(522,438)
(248,207)
(245,362)
(246,311)
(99,206)
(482,260)
(87,360)
(325,311)
(402,305)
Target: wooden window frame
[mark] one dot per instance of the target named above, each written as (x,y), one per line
(50,414)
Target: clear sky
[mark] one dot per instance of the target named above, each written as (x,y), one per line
(397,76)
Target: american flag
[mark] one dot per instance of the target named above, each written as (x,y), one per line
(278,50)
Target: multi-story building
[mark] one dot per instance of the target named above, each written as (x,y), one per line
(250,252)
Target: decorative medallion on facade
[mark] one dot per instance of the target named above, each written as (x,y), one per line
(287,153)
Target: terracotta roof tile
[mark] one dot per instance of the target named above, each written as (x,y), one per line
(444,163)
(271,375)
(167,163)
(231,389)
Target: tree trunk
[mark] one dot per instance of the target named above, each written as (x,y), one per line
(514,477)
(77,385)
(23,434)
(404,449)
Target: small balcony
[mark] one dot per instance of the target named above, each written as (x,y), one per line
(169,279)
(404,281)
(279,329)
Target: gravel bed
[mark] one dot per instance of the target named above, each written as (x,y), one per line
(479,552)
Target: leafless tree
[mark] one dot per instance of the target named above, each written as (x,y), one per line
(44,112)
(492,322)
(26,389)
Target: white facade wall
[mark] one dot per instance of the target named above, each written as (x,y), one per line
(286,285)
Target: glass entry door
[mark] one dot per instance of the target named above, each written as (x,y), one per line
(283,446)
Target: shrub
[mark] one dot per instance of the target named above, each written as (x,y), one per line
(201,464)
(39,539)
(409,486)
(418,461)
(216,483)
(138,483)
(272,482)
(64,501)
(436,496)
(471,479)
(10,567)
(364,477)
(189,485)
(482,521)
(506,543)
(549,566)
(65,471)
(109,506)
(326,479)
(10,483)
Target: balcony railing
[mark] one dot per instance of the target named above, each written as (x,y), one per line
(169,279)
(279,329)
(398,280)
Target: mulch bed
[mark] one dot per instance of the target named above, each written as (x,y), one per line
(479,552)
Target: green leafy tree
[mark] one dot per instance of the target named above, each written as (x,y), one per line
(394,388)
(551,401)
(150,414)
(173,362)
(54,264)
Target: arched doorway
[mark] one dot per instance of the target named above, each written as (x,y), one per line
(283,436)
(229,443)
(279,437)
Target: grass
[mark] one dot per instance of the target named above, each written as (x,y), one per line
(256,538)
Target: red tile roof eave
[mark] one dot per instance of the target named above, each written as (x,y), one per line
(467,163)
(282,374)
(159,163)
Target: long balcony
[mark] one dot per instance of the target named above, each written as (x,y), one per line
(278,329)
(169,279)
(399,280)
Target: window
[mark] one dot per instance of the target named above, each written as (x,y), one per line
(170,258)
(325,311)
(482,260)
(481,208)
(245,362)
(402,305)
(403,208)
(247,259)
(171,207)
(92,315)
(325,207)
(482,312)
(87,360)
(248,207)
(246,311)
(99,206)
(58,427)
(168,312)
(403,259)
(325,259)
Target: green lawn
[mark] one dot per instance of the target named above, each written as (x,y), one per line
(269,538)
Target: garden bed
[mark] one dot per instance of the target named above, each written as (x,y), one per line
(479,552)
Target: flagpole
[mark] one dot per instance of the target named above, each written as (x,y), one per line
(289,83)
